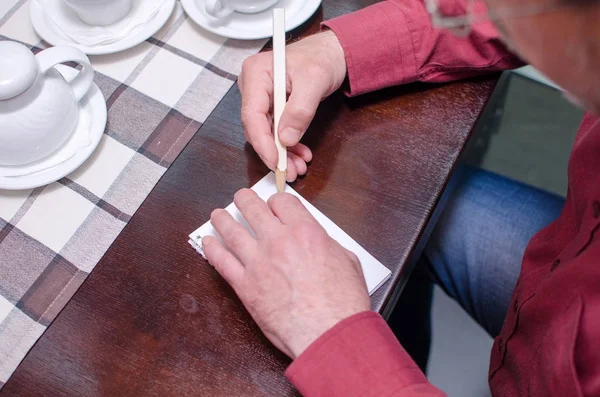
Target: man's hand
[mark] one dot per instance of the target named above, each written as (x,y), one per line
(315,68)
(295,280)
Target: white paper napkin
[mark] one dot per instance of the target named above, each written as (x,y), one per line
(79,139)
(65,20)
(375,273)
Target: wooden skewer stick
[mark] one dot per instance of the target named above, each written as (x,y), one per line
(279,92)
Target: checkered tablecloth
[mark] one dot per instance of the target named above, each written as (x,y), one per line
(158,95)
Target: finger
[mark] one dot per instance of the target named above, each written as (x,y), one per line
(236,237)
(299,163)
(264,145)
(299,111)
(228,266)
(291,173)
(256,212)
(289,209)
(256,104)
(270,119)
(302,151)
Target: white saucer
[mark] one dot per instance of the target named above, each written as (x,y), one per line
(47,32)
(251,26)
(92,121)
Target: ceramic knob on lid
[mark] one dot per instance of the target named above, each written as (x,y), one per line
(18,69)
(39,109)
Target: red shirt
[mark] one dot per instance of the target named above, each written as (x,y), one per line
(550,340)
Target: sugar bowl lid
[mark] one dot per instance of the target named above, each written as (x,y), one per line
(18,69)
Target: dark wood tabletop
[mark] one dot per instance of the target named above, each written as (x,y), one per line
(155,319)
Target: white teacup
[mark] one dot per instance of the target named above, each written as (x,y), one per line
(222,8)
(100,12)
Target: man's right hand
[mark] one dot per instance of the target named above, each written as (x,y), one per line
(315,67)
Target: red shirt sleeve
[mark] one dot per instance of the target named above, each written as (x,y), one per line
(394,42)
(360,356)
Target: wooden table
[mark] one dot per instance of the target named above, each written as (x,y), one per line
(154,319)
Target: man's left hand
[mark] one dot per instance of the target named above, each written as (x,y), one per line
(295,280)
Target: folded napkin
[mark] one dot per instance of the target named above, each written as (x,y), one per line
(375,273)
(65,20)
(79,139)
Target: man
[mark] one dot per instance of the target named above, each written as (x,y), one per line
(307,293)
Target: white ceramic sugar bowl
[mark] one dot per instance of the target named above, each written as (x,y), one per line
(38,109)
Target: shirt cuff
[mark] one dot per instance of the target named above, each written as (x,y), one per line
(360,356)
(378,47)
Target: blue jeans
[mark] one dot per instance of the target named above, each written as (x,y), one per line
(474,254)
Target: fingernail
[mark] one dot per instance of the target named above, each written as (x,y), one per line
(264,161)
(290,135)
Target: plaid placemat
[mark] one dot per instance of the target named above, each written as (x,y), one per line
(158,94)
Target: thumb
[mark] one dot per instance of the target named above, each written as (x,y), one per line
(299,112)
